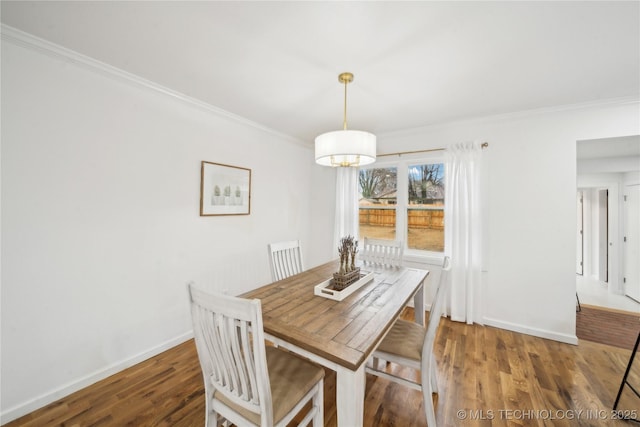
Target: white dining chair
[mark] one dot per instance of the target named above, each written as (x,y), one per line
(379,251)
(410,344)
(285,259)
(246,382)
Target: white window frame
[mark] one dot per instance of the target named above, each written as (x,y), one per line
(402,163)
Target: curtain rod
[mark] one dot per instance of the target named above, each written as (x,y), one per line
(400,153)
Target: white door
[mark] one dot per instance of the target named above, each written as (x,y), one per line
(579,235)
(603,235)
(631,244)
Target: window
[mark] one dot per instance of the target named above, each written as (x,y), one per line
(378,199)
(404,200)
(425,209)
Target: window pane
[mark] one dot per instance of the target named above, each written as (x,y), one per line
(425,229)
(425,213)
(378,198)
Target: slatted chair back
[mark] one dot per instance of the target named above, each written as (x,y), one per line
(285,259)
(230,342)
(428,367)
(379,251)
(246,383)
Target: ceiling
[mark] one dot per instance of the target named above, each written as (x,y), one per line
(416,64)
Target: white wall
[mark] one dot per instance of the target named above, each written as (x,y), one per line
(100,220)
(632,178)
(607,165)
(531,159)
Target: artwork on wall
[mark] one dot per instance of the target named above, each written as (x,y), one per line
(224,190)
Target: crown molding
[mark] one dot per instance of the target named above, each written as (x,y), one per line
(29,41)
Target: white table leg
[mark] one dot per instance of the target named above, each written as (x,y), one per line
(418,304)
(350,396)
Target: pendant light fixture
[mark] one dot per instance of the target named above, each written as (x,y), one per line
(345,147)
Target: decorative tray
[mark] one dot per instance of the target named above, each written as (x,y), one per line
(325,290)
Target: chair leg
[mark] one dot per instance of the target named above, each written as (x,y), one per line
(372,362)
(318,402)
(429,410)
(211,416)
(434,378)
(211,419)
(579,308)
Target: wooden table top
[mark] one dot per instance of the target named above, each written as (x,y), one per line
(345,332)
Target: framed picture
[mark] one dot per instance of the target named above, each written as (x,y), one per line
(224,190)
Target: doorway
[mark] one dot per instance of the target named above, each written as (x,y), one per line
(606,170)
(593,233)
(603,235)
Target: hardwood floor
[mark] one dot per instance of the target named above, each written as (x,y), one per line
(488,376)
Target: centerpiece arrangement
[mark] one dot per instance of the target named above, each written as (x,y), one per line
(348,272)
(348,279)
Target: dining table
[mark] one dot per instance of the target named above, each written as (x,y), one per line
(339,334)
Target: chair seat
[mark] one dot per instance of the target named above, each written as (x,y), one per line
(405,339)
(290,377)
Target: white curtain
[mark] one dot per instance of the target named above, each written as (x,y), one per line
(346,221)
(463,230)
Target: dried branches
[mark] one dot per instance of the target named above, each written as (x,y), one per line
(347,250)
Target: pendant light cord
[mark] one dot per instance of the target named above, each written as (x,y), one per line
(344,123)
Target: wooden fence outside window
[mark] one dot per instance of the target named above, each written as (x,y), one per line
(417,218)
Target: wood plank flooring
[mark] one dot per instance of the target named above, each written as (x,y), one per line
(487,377)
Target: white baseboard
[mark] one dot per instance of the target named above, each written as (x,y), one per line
(536,332)
(65,390)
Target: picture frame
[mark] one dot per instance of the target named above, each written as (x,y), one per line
(224,189)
